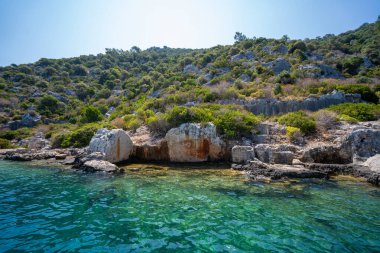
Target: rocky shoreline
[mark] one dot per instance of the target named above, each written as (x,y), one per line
(355,151)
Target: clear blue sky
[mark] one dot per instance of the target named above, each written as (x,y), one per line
(32,29)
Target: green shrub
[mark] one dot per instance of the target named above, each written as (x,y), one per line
(4,143)
(91,114)
(300,120)
(78,138)
(344,117)
(20,133)
(49,105)
(293,132)
(229,120)
(366,93)
(358,111)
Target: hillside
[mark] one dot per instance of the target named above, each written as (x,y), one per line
(163,87)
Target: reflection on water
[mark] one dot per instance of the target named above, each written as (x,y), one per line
(182,209)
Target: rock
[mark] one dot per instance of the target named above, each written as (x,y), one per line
(327,154)
(243,56)
(283,157)
(245,78)
(275,106)
(276,154)
(27,120)
(194,143)
(191,69)
(242,154)
(115,145)
(59,97)
(278,65)
(99,165)
(60,156)
(260,170)
(319,71)
(69,161)
(38,141)
(362,143)
(111,110)
(373,163)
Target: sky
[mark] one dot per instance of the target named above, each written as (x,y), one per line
(34,29)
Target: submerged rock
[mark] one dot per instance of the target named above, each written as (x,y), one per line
(194,143)
(99,165)
(115,145)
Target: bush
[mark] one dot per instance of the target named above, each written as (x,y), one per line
(4,143)
(300,120)
(344,117)
(366,93)
(325,118)
(293,133)
(78,138)
(358,111)
(49,105)
(229,120)
(20,133)
(91,114)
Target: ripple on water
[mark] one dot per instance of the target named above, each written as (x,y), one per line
(181,210)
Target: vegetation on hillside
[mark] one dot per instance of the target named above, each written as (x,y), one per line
(164,87)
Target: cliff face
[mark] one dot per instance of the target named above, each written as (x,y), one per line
(274,107)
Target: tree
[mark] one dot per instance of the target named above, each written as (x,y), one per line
(240,37)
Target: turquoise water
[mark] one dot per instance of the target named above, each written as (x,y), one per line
(181,210)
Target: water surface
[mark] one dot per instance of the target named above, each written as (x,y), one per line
(162,209)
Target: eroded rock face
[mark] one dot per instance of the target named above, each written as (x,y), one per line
(242,154)
(152,152)
(194,143)
(115,145)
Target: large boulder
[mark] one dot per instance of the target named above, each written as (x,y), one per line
(115,144)
(194,143)
(242,154)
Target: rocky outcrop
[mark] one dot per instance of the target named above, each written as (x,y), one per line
(242,154)
(243,56)
(194,143)
(38,141)
(278,65)
(362,143)
(27,120)
(115,145)
(275,107)
(276,154)
(330,154)
(191,69)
